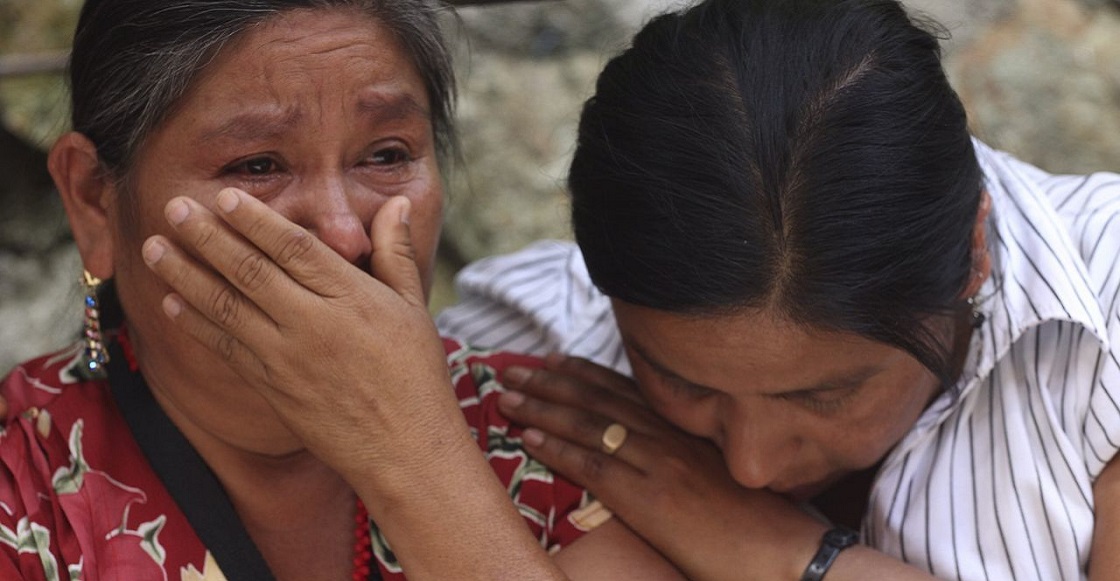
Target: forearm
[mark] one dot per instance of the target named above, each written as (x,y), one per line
(784,549)
(860,563)
(447,516)
(1104,560)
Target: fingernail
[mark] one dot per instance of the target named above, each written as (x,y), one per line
(172,305)
(532,437)
(511,399)
(228,200)
(515,376)
(153,251)
(177,211)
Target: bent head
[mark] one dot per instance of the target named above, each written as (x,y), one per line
(323,109)
(782,198)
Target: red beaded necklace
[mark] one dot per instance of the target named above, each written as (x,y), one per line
(362,542)
(362,551)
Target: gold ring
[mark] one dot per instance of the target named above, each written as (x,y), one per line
(613,438)
(591,516)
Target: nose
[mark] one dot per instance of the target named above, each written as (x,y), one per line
(341,219)
(344,233)
(757,451)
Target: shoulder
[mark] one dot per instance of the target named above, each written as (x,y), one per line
(537,300)
(41,382)
(548,258)
(476,377)
(545,284)
(49,409)
(545,500)
(1057,237)
(46,401)
(1085,208)
(56,501)
(1053,325)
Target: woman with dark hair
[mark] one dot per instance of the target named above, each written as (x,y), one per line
(260,180)
(832,301)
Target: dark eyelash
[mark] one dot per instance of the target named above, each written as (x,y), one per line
(812,402)
(401,154)
(241,167)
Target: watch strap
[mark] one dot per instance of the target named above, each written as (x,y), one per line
(832,542)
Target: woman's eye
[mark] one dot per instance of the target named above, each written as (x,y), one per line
(260,167)
(823,401)
(254,167)
(389,156)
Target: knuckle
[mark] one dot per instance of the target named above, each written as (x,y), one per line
(178,277)
(588,430)
(592,466)
(225,346)
(225,307)
(256,227)
(570,365)
(204,235)
(252,272)
(595,399)
(404,249)
(294,245)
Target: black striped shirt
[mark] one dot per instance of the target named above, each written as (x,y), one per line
(995,486)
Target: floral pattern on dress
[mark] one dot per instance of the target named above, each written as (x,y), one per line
(210,571)
(77,498)
(113,498)
(79,501)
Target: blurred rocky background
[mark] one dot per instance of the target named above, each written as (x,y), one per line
(1041,78)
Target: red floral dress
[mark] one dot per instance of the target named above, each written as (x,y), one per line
(80,499)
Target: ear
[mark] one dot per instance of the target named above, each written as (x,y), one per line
(87,193)
(981,258)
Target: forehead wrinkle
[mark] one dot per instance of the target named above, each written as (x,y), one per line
(301,42)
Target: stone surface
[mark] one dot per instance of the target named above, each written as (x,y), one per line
(1045,85)
(1040,78)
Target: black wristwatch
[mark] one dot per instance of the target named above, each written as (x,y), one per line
(832,543)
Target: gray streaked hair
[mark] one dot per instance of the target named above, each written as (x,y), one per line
(133,60)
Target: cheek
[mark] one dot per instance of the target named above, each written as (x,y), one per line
(426,218)
(860,451)
(879,426)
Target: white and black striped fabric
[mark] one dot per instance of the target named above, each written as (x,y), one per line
(996,485)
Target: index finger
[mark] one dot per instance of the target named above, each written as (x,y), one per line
(305,258)
(591,372)
(581,394)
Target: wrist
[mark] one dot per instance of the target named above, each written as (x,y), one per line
(832,543)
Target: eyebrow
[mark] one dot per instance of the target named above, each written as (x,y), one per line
(257,125)
(383,107)
(847,380)
(269,123)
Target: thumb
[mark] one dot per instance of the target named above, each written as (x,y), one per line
(394,260)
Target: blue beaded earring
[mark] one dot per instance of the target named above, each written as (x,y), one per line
(94,355)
